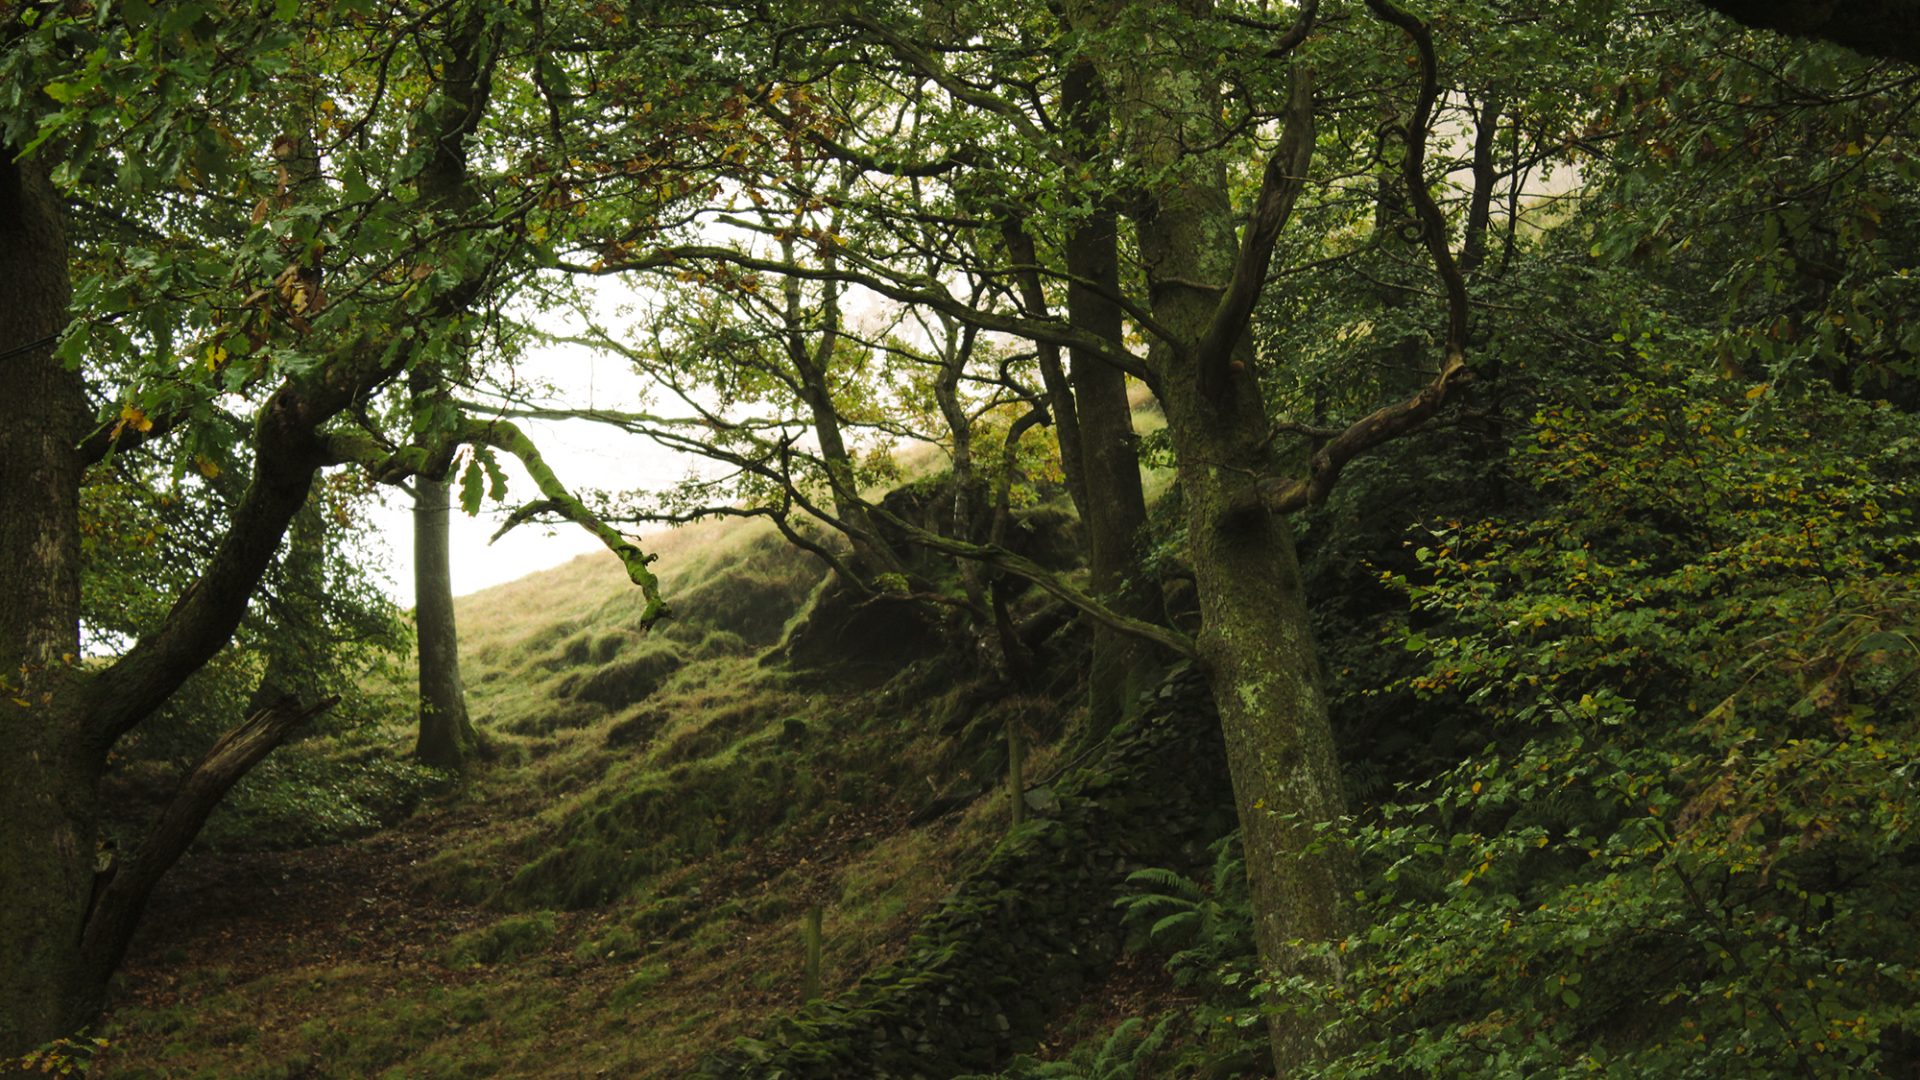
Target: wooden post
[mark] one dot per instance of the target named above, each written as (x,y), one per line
(1016,776)
(810,987)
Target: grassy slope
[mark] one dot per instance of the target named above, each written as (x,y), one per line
(617,892)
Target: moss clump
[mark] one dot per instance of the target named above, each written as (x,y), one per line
(641,824)
(628,681)
(507,940)
(608,647)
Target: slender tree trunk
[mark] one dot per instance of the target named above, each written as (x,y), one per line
(447,738)
(446,734)
(957,346)
(1115,508)
(47,830)
(871,553)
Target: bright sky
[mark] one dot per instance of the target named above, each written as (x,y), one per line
(583,455)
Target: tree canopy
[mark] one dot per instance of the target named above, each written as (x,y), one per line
(1534,384)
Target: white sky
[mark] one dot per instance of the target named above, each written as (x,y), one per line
(582,454)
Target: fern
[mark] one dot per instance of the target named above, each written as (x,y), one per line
(1124,1054)
(1209,928)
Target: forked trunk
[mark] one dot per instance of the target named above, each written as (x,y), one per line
(1255,638)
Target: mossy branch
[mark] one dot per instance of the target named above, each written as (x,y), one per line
(390,466)
(1052,583)
(507,436)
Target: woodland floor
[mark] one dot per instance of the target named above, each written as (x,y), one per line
(331,961)
(247,959)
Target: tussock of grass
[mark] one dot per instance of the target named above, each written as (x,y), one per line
(507,940)
(624,682)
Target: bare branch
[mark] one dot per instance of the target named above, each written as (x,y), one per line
(1280,187)
(1382,425)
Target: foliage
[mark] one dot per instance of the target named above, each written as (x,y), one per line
(1206,927)
(1047,883)
(321,791)
(1687,840)
(61,1057)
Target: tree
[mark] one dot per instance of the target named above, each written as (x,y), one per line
(981,126)
(305,310)
(464,74)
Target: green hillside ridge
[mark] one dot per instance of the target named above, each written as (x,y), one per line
(619,889)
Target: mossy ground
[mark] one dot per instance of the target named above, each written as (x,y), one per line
(618,888)
(617,891)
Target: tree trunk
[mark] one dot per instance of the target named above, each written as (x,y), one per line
(1255,639)
(446,738)
(1115,510)
(871,553)
(1257,646)
(47,828)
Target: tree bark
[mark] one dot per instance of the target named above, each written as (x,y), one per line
(447,738)
(1255,641)
(47,828)
(1115,507)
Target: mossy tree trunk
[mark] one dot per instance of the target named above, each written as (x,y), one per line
(1255,640)
(47,772)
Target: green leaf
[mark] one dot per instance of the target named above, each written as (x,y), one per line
(496,477)
(471,488)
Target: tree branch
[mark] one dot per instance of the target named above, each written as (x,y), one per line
(1382,425)
(1280,187)
(118,903)
(1052,583)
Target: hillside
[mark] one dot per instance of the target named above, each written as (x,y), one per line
(620,889)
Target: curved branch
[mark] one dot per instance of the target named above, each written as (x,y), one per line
(1280,187)
(1382,425)
(1433,223)
(929,295)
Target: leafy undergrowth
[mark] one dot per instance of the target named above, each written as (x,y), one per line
(618,890)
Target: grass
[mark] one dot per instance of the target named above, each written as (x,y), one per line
(621,887)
